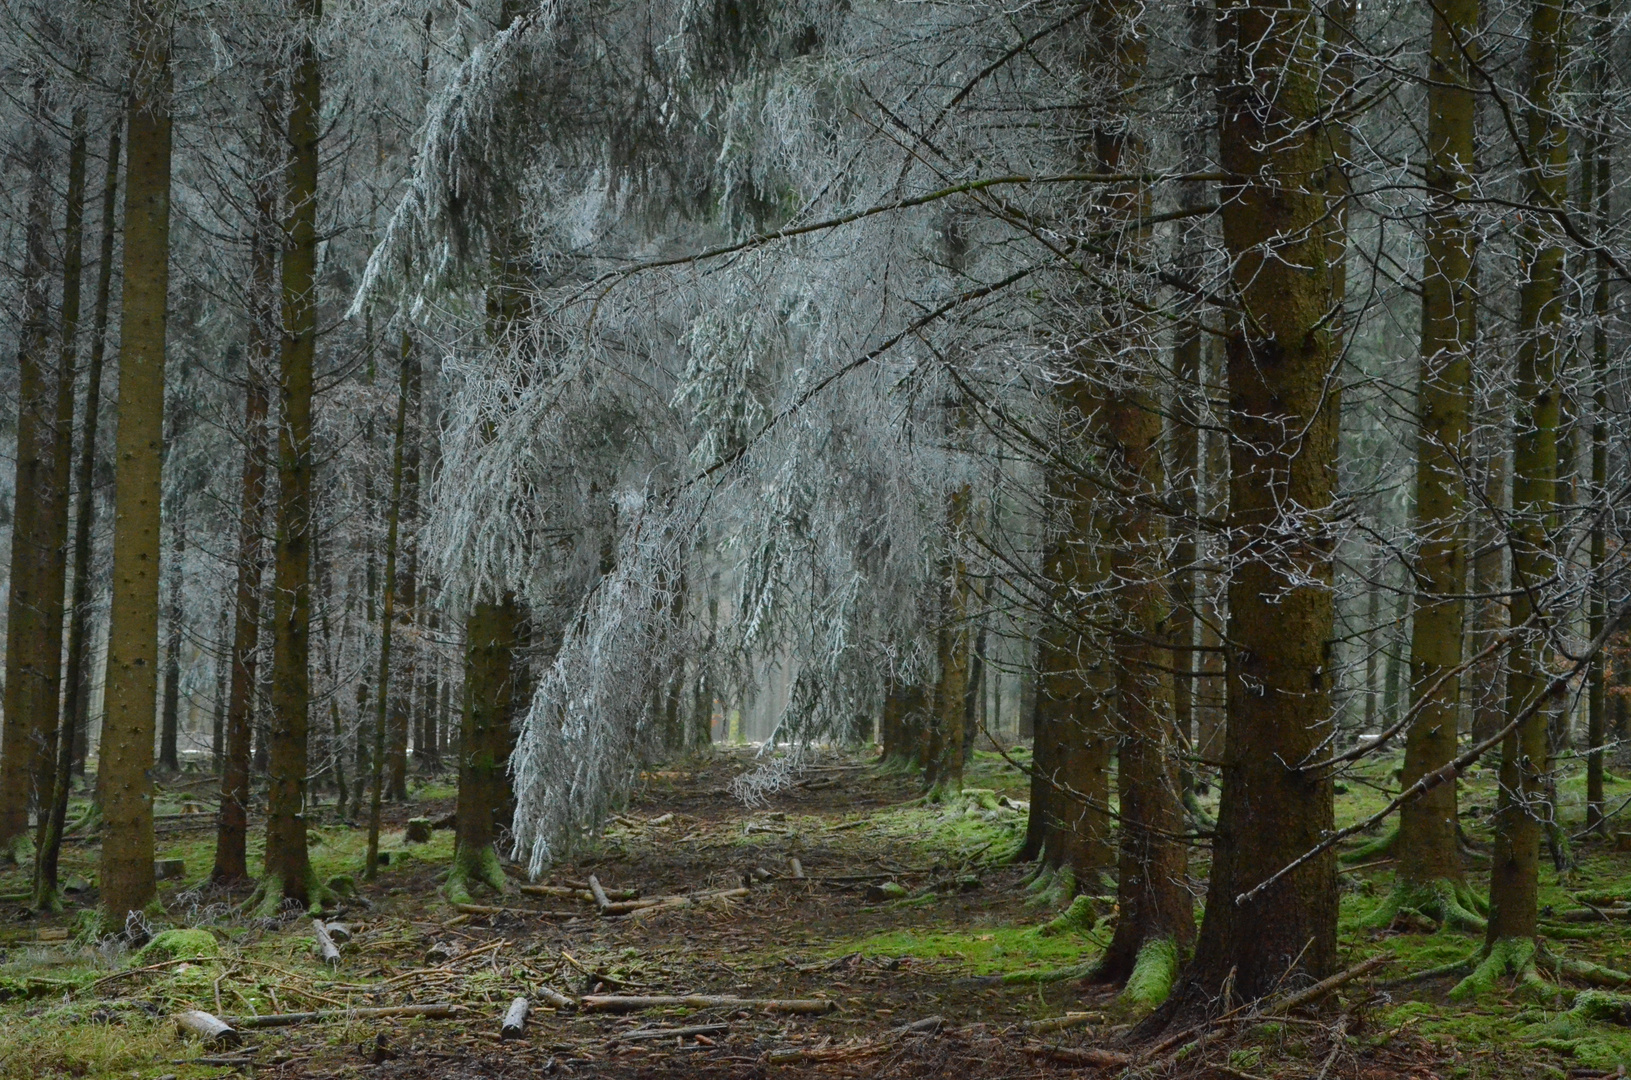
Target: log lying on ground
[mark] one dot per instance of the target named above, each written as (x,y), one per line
(211,1030)
(1325,986)
(484,909)
(325,943)
(1080,1055)
(622,1003)
(601,899)
(672,1032)
(515,1020)
(1059,1023)
(579,894)
(627,907)
(439,1011)
(556,998)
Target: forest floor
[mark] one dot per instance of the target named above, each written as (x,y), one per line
(903,915)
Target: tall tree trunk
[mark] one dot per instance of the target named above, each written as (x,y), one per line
(54,814)
(170,712)
(1525,754)
(131,685)
(1282,355)
(1598,166)
(492,634)
(406,585)
(77,696)
(1489,571)
(1429,876)
(232,826)
(218,710)
(387,615)
(24,770)
(288,867)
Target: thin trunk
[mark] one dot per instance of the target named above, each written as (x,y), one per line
(388,612)
(169,713)
(406,589)
(288,867)
(1599,159)
(218,713)
(131,686)
(54,815)
(1282,236)
(1525,757)
(1427,847)
(24,770)
(232,831)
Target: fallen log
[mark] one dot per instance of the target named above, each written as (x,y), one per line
(439,1011)
(664,1033)
(1059,1023)
(629,906)
(621,1003)
(211,1030)
(484,909)
(601,899)
(1325,986)
(325,943)
(1080,1055)
(797,868)
(556,998)
(579,894)
(515,1020)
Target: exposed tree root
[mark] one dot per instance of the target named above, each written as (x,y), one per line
(1456,967)
(1580,970)
(1199,819)
(1376,849)
(1052,886)
(268,898)
(1078,918)
(1514,957)
(1154,971)
(479,867)
(1452,903)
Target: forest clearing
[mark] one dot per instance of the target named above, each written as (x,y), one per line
(908,921)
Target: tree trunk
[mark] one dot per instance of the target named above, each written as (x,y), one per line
(491,635)
(1525,756)
(288,867)
(232,831)
(30,691)
(1429,876)
(54,814)
(1598,166)
(169,714)
(406,585)
(1282,353)
(387,617)
(131,686)
(77,695)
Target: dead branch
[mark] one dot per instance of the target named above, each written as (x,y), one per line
(621,1003)
(440,1011)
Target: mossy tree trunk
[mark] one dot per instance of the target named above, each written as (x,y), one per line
(131,689)
(1429,875)
(492,633)
(1283,394)
(288,866)
(1525,753)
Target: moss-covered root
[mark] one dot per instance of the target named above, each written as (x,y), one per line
(18,851)
(1198,817)
(1600,1007)
(1582,971)
(1154,970)
(1078,918)
(1379,848)
(479,867)
(1052,975)
(1053,889)
(268,898)
(1514,957)
(1452,903)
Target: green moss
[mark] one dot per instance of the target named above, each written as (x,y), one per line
(981,950)
(1452,903)
(175,944)
(1076,919)
(1514,957)
(1153,972)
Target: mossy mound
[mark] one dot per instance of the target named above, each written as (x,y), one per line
(179,944)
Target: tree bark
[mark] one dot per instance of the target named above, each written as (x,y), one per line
(288,867)
(169,714)
(406,586)
(1428,848)
(1525,754)
(1282,354)
(232,832)
(54,813)
(1599,175)
(30,689)
(131,685)
(492,633)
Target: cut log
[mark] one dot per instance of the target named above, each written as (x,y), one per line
(164,869)
(627,906)
(694,1030)
(325,943)
(556,998)
(440,1011)
(211,1030)
(601,899)
(340,932)
(1059,1023)
(622,1003)
(515,1020)
(418,831)
(1081,1055)
(797,868)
